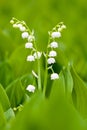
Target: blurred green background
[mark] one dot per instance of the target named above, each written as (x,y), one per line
(42,16)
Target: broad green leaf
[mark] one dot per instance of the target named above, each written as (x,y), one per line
(4,99)
(6,45)
(79,94)
(79,67)
(18,61)
(6,74)
(61,58)
(58,87)
(68,83)
(29,117)
(62,115)
(42,114)
(9,114)
(27,79)
(2,118)
(15,93)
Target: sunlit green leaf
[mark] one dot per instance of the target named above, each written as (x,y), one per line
(68,83)
(79,94)
(18,61)
(15,93)
(4,99)
(2,118)
(58,87)
(6,74)
(9,114)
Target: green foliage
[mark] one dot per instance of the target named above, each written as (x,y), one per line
(9,114)
(65,105)
(68,83)
(6,73)
(2,118)
(15,93)
(79,93)
(4,101)
(18,61)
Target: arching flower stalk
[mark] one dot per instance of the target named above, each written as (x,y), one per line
(50,55)
(27,34)
(51,52)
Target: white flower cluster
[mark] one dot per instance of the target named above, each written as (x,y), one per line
(29,36)
(54,34)
(17,24)
(36,55)
(30,44)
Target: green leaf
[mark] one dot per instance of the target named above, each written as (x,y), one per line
(68,83)
(61,58)
(6,44)
(29,117)
(15,93)
(9,114)
(27,79)
(4,99)
(58,87)
(42,114)
(6,75)
(18,61)
(2,118)
(79,94)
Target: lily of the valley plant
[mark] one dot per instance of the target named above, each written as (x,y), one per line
(34,55)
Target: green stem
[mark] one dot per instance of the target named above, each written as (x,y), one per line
(46,72)
(45,79)
(39,75)
(39,69)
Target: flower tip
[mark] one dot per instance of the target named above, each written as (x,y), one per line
(12,21)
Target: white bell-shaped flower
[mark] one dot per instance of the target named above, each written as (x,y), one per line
(30,88)
(54,44)
(52,54)
(29,45)
(15,25)
(54,76)
(51,61)
(56,34)
(22,29)
(25,35)
(31,38)
(30,58)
